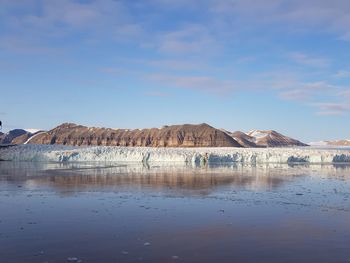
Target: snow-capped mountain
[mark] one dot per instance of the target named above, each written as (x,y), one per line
(270,138)
(186,135)
(264,138)
(243,139)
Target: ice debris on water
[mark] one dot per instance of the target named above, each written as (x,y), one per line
(74,259)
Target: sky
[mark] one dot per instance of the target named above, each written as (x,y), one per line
(234,64)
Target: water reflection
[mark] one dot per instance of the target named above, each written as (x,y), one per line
(95,176)
(107,213)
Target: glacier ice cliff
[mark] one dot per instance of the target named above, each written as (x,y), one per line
(194,156)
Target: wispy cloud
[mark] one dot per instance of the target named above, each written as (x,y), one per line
(180,50)
(342,74)
(307,91)
(328,109)
(176,64)
(345,94)
(113,70)
(200,83)
(28,46)
(190,39)
(307,60)
(345,36)
(321,15)
(37,26)
(314,94)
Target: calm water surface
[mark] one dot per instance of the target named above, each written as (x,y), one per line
(110,213)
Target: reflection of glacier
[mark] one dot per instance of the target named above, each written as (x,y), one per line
(93,176)
(193,156)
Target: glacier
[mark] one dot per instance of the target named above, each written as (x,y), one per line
(193,156)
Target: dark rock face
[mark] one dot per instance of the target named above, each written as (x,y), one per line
(186,135)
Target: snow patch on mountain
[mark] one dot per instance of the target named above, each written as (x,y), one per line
(33,131)
(257,134)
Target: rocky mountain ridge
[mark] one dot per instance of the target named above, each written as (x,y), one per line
(186,135)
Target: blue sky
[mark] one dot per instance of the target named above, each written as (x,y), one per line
(235,64)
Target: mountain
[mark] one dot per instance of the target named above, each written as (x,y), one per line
(339,143)
(186,135)
(270,138)
(16,136)
(331,143)
(7,138)
(259,138)
(243,139)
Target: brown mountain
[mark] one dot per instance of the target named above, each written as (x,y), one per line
(186,135)
(332,143)
(272,138)
(339,143)
(243,139)
(16,136)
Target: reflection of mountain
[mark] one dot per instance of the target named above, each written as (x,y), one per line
(177,178)
(162,181)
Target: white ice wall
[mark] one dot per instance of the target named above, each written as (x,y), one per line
(57,153)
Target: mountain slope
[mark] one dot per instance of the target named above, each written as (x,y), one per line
(339,143)
(186,135)
(243,139)
(270,138)
(9,137)
(331,143)
(16,136)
